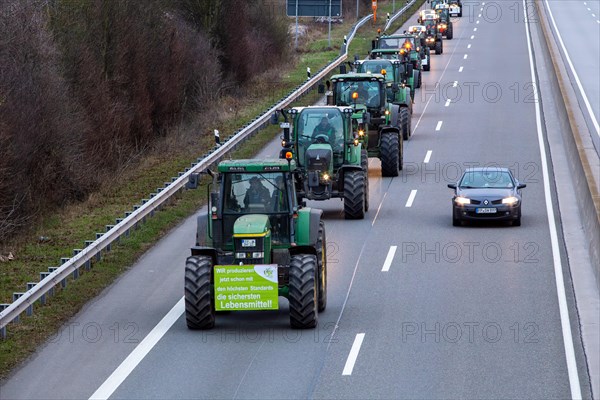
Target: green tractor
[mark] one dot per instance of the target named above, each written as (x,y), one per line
(445,25)
(330,158)
(378,118)
(254,245)
(400,83)
(403,46)
(433,35)
(419,32)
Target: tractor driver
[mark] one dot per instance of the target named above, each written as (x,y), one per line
(257,193)
(363,93)
(324,128)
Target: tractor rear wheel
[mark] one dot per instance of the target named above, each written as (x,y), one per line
(354,194)
(450,33)
(389,154)
(400,153)
(364,163)
(418,85)
(404,121)
(428,66)
(322,267)
(303,291)
(438,48)
(199,305)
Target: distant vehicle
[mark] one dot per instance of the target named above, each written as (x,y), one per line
(488,193)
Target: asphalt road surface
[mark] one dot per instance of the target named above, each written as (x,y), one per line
(416,308)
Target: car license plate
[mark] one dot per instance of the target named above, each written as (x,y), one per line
(248,242)
(485,211)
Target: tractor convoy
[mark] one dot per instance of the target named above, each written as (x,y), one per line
(258,241)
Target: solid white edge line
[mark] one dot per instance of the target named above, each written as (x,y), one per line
(439,125)
(558,270)
(137,355)
(388,260)
(379,209)
(577,80)
(411,198)
(353,354)
(427,156)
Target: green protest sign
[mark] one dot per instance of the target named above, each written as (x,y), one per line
(246,287)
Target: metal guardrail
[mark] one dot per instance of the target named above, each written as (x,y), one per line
(398,14)
(24,301)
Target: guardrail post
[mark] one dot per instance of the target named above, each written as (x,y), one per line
(43,276)
(16,296)
(3,307)
(30,286)
(51,270)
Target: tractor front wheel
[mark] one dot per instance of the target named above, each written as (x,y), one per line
(389,154)
(450,33)
(199,305)
(364,163)
(404,120)
(438,48)
(354,194)
(303,291)
(322,267)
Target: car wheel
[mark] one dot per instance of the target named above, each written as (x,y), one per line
(517,222)
(456,221)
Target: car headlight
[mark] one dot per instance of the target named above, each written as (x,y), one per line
(462,200)
(512,200)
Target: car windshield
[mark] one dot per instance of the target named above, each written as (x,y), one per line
(367,91)
(489,178)
(263,193)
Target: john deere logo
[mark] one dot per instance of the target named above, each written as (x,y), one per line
(486,202)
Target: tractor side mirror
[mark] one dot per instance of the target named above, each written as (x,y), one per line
(452,186)
(215,203)
(521,186)
(328,84)
(373,44)
(321,88)
(356,58)
(395,88)
(274,119)
(193,181)
(343,69)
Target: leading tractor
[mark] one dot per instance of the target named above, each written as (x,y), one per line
(378,118)
(329,156)
(433,35)
(404,45)
(445,25)
(254,245)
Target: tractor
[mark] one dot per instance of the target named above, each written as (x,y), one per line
(445,25)
(433,36)
(255,244)
(378,118)
(419,33)
(399,76)
(329,156)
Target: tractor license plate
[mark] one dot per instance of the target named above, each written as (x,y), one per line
(248,242)
(485,210)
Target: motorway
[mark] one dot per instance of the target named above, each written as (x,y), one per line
(578,25)
(416,308)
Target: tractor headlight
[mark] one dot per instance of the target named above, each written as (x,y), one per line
(511,201)
(361,133)
(461,201)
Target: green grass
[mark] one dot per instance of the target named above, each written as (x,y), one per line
(69,228)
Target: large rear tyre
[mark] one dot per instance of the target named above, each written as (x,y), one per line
(303,291)
(404,121)
(438,48)
(389,153)
(322,267)
(450,33)
(364,163)
(199,305)
(401,153)
(418,85)
(427,67)
(354,194)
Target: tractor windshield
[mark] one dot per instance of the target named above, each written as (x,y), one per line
(367,93)
(375,67)
(257,193)
(320,126)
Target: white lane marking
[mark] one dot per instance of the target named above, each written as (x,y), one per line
(472,37)
(558,270)
(589,9)
(460,69)
(431,97)
(448,101)
(411,198)
(479,16)
(483,4)
(566,53)
(477,22)
(439,125)
(137,355)
(353,354)
(469,46)
(598,21)
(465,56)
(427,156)
(474,29)
(455,84)
(388,260)
(585,3)
(379,209)
(593,15)
(481,9)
